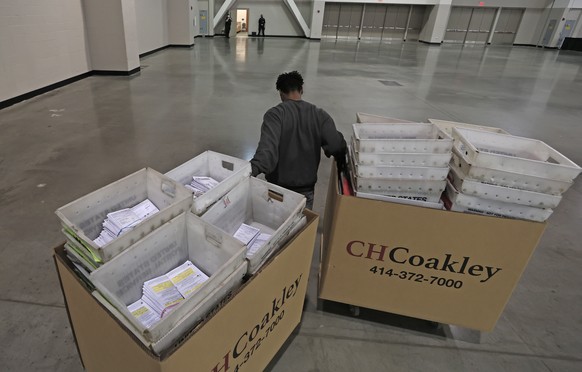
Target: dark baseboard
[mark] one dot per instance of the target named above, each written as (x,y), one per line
(62,83)
(315,38)
(428,42)
(116,73)
(289,36)
(166,47)
(184,46)
(525,45)
(48,88)
(153,51)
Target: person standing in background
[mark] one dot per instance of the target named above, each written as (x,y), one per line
(227,23)
(292,136)
(262,25)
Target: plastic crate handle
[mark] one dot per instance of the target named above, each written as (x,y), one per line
(228,165)
(274,195)
(169,188)
(213,237)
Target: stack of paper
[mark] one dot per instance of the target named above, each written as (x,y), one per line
(161,295)
(187,278)
(144,313)
(119,222)
(247,234)
(259,241)
(201,185)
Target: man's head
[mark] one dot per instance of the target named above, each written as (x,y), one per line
(261,16)
(290,86)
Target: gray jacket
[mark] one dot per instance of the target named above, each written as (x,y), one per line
(292,136)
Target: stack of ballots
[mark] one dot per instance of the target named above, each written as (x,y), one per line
(502,175)
(400,162)
(163,293)
(122,221)
(201,185)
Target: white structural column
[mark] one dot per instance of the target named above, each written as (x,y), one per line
(182,21)
(112,35)
(433,31)
(317,19)
(222,11)
(494,25)
(298,16)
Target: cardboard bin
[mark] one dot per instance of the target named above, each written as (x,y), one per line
(243,333)
(447,267)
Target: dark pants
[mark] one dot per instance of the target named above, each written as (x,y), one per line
(227,31)
(262,29)
(309,196)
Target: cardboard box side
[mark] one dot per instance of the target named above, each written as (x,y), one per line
(67,309)
(249,330)
(328,223)
(377,230)
(99,334)
(102,343)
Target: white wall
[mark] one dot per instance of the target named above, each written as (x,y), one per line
(166,22)
(152,24)
(41,43)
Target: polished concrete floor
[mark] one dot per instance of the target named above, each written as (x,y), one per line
(64,144)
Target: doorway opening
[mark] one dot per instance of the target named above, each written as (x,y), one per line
(242,22)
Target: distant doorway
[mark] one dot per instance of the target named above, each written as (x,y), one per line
(242,22)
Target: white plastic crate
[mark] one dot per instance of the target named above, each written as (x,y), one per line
(186,237)
(227,170)
(514,154)
(369,118)
(402,173)
(501,193)
(185,325)
(509,179)
(401,138)
(403,187)
(420,191)
(472,204)
(447,126)
(398,159)
(433,205)
(271,208)
(83,218)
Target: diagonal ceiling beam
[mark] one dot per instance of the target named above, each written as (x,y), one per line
(223,9)
(298,16)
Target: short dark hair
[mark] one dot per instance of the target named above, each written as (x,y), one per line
(289,82)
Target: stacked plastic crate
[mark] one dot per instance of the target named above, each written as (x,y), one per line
(400,162)
(507,176)
(183,227)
